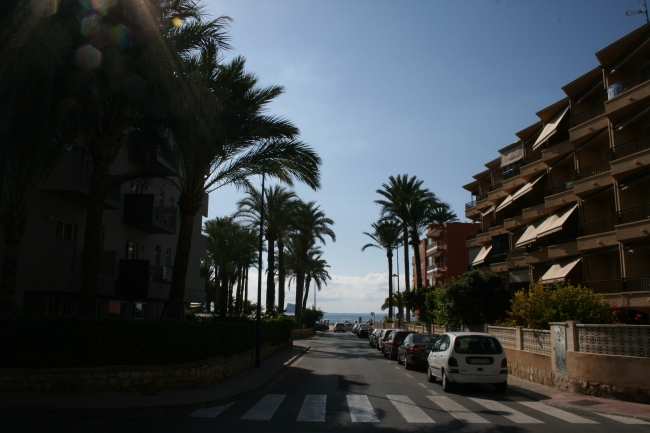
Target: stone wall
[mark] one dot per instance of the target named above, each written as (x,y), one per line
(134,378)
(530,366)
(297,334)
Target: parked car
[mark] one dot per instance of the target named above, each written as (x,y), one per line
(393,343)
(372,338)
(468,357)
(415,349)
(348,326)
(383,337)
(355,329)
(362,330)
(339,327)
(321,327)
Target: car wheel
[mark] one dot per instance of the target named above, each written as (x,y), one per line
(430,377)
(446,384)
(501,387)
(407,364)
(399,360)
(385,354)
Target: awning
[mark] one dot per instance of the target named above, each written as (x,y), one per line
(559,271)
(472,253)
(489,210)
(512,155)
(554,223)
(529,235)
(634,180)
(631,119)
(549,129)
(504,203)
(519,275)
(628,56)
(482,255)
(526,188)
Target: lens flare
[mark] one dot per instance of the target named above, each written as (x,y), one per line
(120,37)
(90,26)
(88,57)
(177,22)
(44,8)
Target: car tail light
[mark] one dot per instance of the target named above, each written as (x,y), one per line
(504,363)
(452,362)
(415,349)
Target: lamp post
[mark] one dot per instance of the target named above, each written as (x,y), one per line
(258,324)
(399,297)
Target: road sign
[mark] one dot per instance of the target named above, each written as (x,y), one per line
(398,315)
(372,313)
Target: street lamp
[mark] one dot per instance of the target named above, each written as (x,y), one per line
(258,324)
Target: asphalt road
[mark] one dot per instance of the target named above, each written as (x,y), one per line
(342,384)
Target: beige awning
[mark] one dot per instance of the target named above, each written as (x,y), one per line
(529,235)
(504,203)
(513,154)
(555,222)
(519,275)
(526,188)
(549,129)
(559,271)
(482,255)
(489,210)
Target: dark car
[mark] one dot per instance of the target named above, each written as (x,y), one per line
(362,330)
(382,337)
(321,327)
(393,343)
(415,349)
(372,338)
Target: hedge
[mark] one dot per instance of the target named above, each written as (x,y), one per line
(79,342)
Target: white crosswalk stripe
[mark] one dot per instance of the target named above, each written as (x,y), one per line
(211,412)
(505,411)
(624,420)
(313,408)
(456,410)
(554,412)
(409,410)
(265,408)
(360,409)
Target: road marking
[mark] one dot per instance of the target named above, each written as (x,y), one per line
(503,410)
(422,385)
(408,409)
(432,392)
(553,411)
(211,412)
(624,420)
(408,375)
(313,408)
(265,408)
(360,409)
(457,411)
(397,368)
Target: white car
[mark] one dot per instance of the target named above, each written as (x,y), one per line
(468,357)
(339,327)
(349,326)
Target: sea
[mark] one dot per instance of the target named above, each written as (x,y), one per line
(340,317)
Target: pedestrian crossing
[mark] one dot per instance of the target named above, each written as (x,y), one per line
(431,410)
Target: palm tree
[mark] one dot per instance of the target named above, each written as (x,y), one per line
(119,94)
(315,271)
(386,236)
(311,225)
(397,298)
(279,206)
(221,137)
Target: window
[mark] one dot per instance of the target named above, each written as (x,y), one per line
(66,230)
(56,307)
(430,261)
(158,253)
(161,199)
(429,241)
(117,309)
(168,257)
(131,251)
(136,188)
(171,202)
(138,310)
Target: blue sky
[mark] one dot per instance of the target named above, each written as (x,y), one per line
(428,88)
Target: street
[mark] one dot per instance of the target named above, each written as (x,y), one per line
(343,384)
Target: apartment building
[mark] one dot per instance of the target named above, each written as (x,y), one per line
(570,199)
(141,222)
(443,253)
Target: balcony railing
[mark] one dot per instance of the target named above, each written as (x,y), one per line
(559,187)
(634,214)
(470,205)
(588,115)
(482,196)
(496,185)
(516,171)
(533,157)
(496,223)
(499,258)
(557,138)
(622,285)
(631,147)
(603,226)
(516,253)
(635,80)
(592,169)
(637,284)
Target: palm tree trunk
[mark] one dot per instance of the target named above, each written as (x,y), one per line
(304,298)
(407,265)
(92,237)
(270,271)
(300,285)
(281,274)
(13,229)
(418,262)
(246,285)
(231,301)
(223,296)
(239,289)
(390,283)
(217,289)
(189,207)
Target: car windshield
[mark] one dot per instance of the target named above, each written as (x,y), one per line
(477,345)
(424,339)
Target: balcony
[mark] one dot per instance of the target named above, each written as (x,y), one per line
(150,157)
(631,147)
(516,258)
(563,249)
(511,173)
(555,153)
(631,90)
(557,138)
(140,213)
(596,235)
(499,258)
(633,224)
(470,205)
(592,169)
(559,195)
(585,124)
(482,202)
(622,285)
(587,115)
(495,186)
(559,187)
(533,165)
(630,157)
(592,178)
(597,227)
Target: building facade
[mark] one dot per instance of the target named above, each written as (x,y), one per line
(443,253)
(140,232)
(570,199)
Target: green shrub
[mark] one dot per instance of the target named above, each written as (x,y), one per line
(387,320)
(77,342)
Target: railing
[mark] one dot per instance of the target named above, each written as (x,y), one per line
(496,185)
(496,223)
(530,201)
(588,115)
(566,236)
(533,157)
(557,138)
(635,80)
(537,341)
(511,173)
(625,340)
(506,336)
(631,147)
(634,214)
(431,246)
(438,330)
(605,286)
(603,226)
(482,196)
(637,284)
(498,258)
(559,187)
(517,252)
(470,205)
(592,169)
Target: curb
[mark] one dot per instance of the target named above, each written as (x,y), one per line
(195,405)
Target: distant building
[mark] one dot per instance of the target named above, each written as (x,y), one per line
(291,309)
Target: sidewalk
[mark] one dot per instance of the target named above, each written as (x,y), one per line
(247,382)
(557,398)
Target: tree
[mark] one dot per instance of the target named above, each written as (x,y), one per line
(416,300)
(221,137)
(473,299)
(543,304)
(386,236)
(279,206)
(396,298)
(316,271)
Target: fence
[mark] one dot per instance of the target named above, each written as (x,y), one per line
(614,340)
(537,341)
(507,336)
